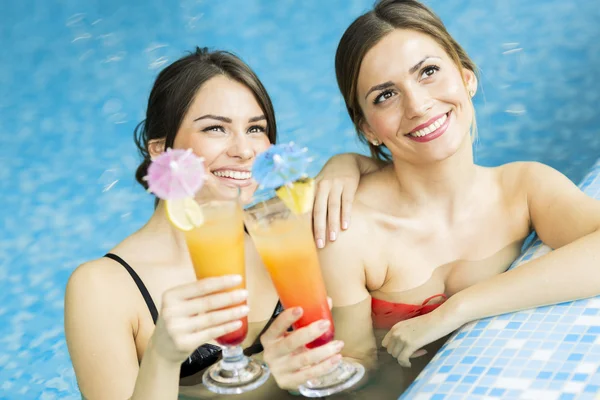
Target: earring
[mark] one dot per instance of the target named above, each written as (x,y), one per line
(471,93)
(376,142)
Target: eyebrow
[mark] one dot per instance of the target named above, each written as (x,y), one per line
(228,120)
(414,68)
(411,71)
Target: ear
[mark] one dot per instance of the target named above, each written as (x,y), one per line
(156,147)
(367,131)
(470,80)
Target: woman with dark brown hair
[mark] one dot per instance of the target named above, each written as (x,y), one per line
(145,342)
(433,233)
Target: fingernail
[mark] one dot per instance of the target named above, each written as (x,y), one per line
(237,324)
(320,243)
(336,359)
(297,311)
(324,324)
(244,310)
(338,345)
(236,278)
(332,236)
(241,294)
(345,225)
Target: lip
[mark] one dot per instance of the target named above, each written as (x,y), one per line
(236,182)
(433,135)
(236,168)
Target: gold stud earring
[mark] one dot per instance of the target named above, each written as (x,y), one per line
(471,93)
(376,142)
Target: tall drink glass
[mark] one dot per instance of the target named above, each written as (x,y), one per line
(285,243)
(216,248)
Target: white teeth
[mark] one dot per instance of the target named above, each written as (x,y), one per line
(240,175)
(432,127)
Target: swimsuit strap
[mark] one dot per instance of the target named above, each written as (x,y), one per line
(142,288)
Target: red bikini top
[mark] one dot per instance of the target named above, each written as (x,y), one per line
(386,314)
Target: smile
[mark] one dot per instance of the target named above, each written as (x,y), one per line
(430,130)
(231,174)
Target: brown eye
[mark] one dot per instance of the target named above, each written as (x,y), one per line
(429,71)
(214,128)
(257,129)
(383,96)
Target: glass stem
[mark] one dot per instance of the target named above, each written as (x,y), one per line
(233,358)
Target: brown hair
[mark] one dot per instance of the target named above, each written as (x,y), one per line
(367,30)
(175,89)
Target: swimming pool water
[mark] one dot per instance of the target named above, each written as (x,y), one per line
(74,80)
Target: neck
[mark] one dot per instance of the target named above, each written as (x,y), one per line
(445,185)
(162,230)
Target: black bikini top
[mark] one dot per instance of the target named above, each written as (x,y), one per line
(205,355)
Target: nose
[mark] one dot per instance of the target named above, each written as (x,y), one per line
(417,102)
(240,147)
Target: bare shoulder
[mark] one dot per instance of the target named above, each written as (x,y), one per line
(99,285)
(524,173)
(96,276)
(375,188)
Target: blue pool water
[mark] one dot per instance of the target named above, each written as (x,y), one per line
(74,79)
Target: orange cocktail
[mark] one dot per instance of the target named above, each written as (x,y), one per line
(288,251)
(217,248)
(281,230)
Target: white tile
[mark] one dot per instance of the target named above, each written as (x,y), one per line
(514,344)
(587,320)
(422,396)
(513,383)
(498,324)
(539,395)
(540,251)
(573,387)
(587,368)
(438,378)
(593,303)
(542,355)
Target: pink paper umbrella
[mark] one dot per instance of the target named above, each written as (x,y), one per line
(175,174)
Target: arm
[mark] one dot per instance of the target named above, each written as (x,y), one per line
(100,335)
(344,274)
(100,331)
(336,185)
(565,219)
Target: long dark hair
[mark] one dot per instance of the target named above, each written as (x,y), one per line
(367,30)
(174,91)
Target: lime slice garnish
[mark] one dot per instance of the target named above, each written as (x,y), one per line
(298,196)
(185,214)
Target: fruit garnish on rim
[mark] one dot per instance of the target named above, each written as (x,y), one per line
(283,168)
(298,196)
(176,176)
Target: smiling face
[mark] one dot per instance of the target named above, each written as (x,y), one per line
(414,98)
(226,126)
